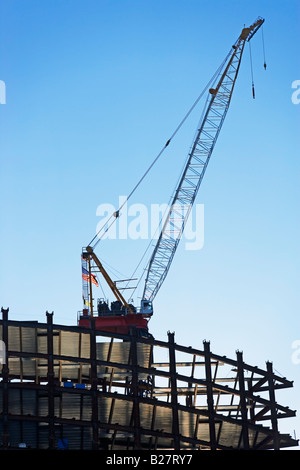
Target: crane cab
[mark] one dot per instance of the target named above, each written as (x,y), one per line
(146,308)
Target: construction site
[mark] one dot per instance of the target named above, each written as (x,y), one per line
(80,388)
(106,383)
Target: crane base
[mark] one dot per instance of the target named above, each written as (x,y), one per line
(119,324)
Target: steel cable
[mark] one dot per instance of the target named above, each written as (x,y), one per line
(116,214)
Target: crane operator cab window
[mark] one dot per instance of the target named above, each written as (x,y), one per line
(146,307)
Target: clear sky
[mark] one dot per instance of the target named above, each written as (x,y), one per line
(93,91)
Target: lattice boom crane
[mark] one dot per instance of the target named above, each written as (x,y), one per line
(195,168)
(121,316)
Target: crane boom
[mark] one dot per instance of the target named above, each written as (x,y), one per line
(199,156)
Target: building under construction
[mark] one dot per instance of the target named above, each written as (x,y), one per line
(107,383)
(79,388)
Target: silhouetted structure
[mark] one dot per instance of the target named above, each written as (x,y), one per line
(79,388)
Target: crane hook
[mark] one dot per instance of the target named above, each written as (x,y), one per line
(263,45)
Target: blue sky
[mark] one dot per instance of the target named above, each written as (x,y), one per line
(93,91)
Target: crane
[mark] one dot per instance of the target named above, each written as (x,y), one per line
(214,113)
(120,316)
(195,168)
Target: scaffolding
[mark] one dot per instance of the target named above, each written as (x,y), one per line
(80,388)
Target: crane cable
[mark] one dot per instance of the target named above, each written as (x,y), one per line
(264,55)
(251,66)
(157,228)
(116,214)
(263,45)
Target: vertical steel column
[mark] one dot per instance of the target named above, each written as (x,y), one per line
(90,287)
(210,397)
(252,408)
(50,379)
(94,383)
(243,404)
(274,422)
(174,399)
(135,389)
(5,379)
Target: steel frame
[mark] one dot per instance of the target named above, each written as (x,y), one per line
(99,390)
